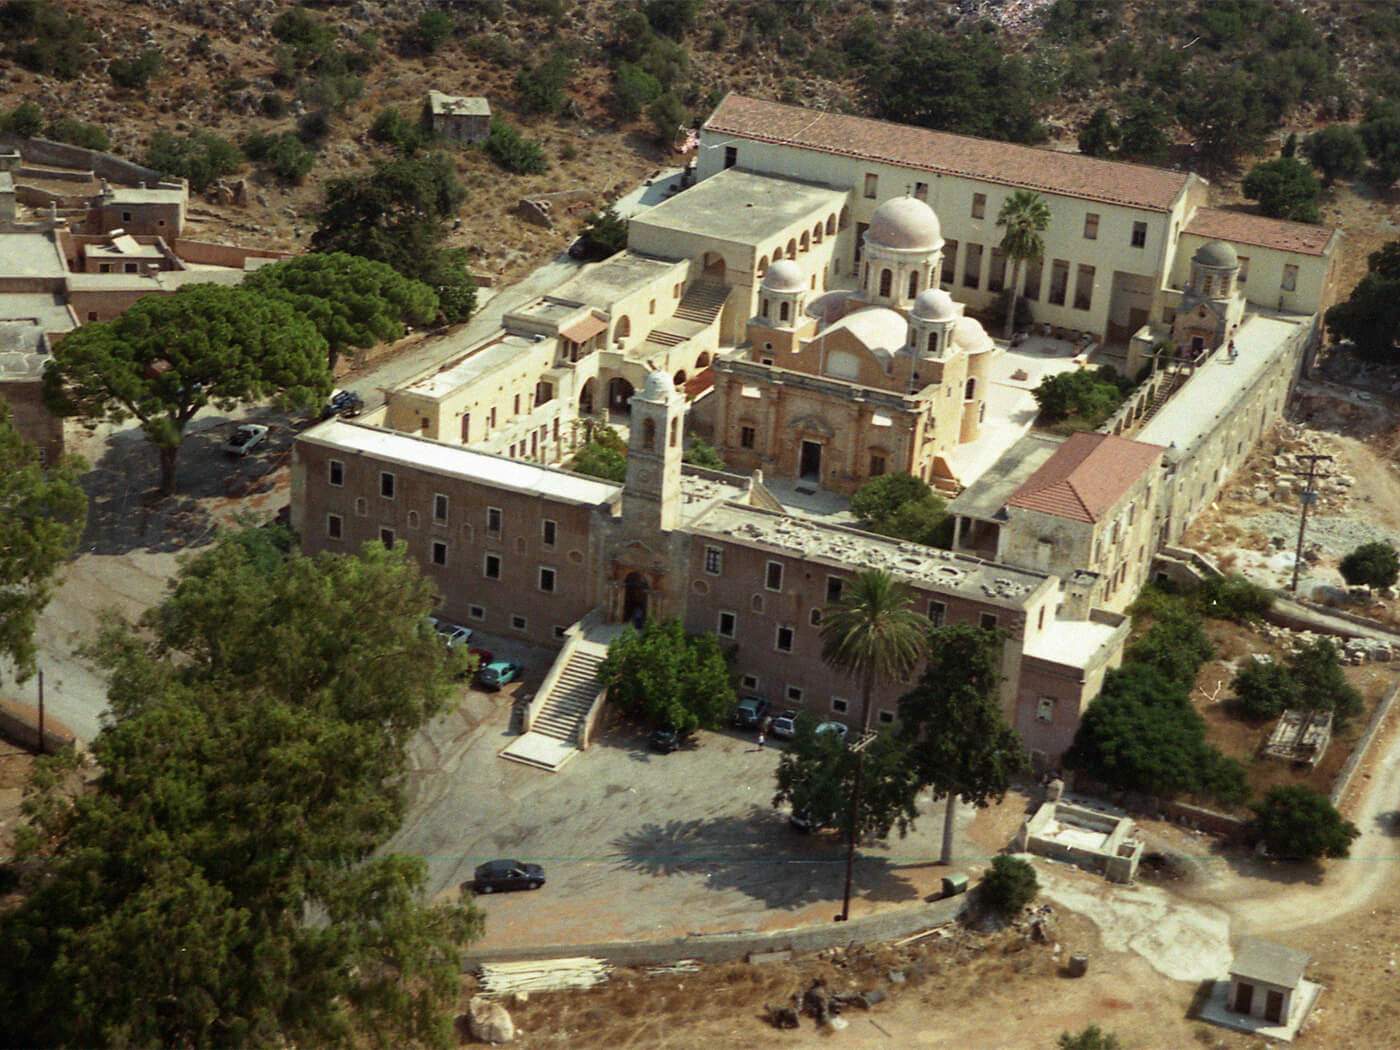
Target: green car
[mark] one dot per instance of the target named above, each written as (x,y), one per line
(501,672)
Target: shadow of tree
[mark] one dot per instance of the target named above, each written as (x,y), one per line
(756,854)
(1246,864)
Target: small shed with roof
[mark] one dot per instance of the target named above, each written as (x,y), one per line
(459,118)
(1265,978)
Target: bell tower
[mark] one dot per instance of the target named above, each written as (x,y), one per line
(651,499)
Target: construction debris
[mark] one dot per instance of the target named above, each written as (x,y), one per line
(546,975)
(488,1021)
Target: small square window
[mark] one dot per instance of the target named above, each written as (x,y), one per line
(987,621)
(979,205)
(518,622)
(885,718)
(440,509)
(439,552)
(749,681)
(493,520)
(1139,235)
(747,435)
(386,537)
(1091,226)
(834,587)
(840,706)
(334,525)
(335,473)
(386,484)
(1045,709)
(815,618)
(921,191)
(727,622)
(546,580)
(548,531)
(773,576)
(794,694)
(491,567)
(782,640)
(413,519)
(936,612)
(714,560)
(476,612)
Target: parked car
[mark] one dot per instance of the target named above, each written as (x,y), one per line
(664,740)
(506,875)
(749,712)
(837,729)
(803,822)
(451,634)
(498,673)
(343,403)
(245,438)
(785,725)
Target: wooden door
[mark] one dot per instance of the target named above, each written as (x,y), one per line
(1273,1007)
(1244,997)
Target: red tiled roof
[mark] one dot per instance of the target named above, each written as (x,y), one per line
(585,329)
(1085,477)
(699,382)
(1240,228)
(1005,163)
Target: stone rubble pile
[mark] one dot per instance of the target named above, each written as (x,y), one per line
(1354,651)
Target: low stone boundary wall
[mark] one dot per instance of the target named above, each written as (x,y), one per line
(62,155)
(723,947)
(211,254)
(1348,773)
(19,723)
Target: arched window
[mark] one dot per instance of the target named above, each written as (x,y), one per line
(1207,284)
(933,342)
(763,308)
(763,266)
(623,329)
(649,433)
(913,284)
(805,244)
(792,249)
(831,224)
(970,390)
(886,282)
(845,219)
(782,311)
(817,233)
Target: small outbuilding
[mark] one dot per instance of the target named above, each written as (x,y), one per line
(1266,993)
(459,118)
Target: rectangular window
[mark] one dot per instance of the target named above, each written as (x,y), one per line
(815,617)
(548,529)
(782,639)
(714,561)
(773,576)
(972,266)
(1030,287)
(1290,278)
(877,465)
(979,205)
(1045,709)
(731,156)
(440,509)
(466,427)
(493,521)
(1059,282)
(476,612)
(839,705)
(1139,239)
(1244,268)
(987,621)
(439,552)
(334,525)
(1084,288)
(886,718)
(936,612)
(336,472)
(491,567)
(386,537)
(726,624)
(921,191)
(1091,226)
(996,271)
(518,622)
(546,580)
(872,185)
(834,586)
(386,484)
(950,262)
(749,681)
(794,694)
(747,436)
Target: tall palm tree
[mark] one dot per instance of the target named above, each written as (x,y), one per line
(873,634)
(1025,216)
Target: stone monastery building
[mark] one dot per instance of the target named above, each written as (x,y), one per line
(805,307)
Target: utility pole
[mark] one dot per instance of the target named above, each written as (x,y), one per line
(42,749)
(1309,497)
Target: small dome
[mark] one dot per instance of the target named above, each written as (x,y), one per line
(905,223)
(934,304)
(784,276)
(658,387)
(1217,254)
(970,337)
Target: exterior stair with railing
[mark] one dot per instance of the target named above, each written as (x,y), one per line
(702,301)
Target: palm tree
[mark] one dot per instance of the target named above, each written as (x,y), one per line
(1025,216)
(873,634)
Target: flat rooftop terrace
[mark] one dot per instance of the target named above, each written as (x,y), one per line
(742,207)
(602,284)
(31,255)
(986,497)
(496,351)
(848,548)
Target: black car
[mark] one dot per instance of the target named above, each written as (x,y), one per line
(343,403)
(664,739)
(803,822)
(507,875)
(749,712)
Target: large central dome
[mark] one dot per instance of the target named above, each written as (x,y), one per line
(906,224)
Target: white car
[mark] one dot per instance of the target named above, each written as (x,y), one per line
(836,729)
(452,635)
(245,438)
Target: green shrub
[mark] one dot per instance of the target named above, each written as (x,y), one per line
(1296,823)
(604,455)
(434,29)
(136,71)
(199,158)
(26,119)
(1008,885)
(513,151)
(273,105)
(1265,689)
(1234,598)
(1082,397)
(283,155)
(1371,565)
(494,48)
(541,88)
(668,116)
(397,132)
(76,133)
(633,90)
(44,38)
(701,454)
(604,234)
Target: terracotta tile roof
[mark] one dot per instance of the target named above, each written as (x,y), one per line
(699,382)
(1240,228)
(1004,163)
(585,329)
(1085,477)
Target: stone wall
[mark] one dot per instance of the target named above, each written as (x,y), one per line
(62,155)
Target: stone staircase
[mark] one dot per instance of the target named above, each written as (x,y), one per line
(571,698)
(1166,390)
(702,302)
